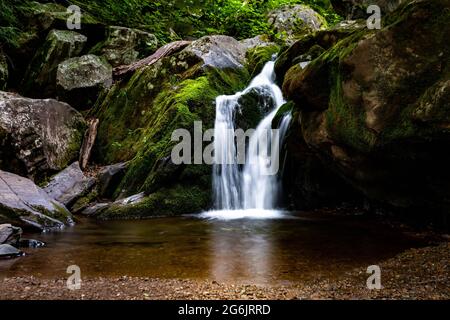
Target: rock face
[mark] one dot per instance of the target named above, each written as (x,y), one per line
(37,137)
(40,79)
(80,80)
(69,185)
(124,45)
(9,234)
(375,108)
(3,71)
(109,179)
(139,114)
(24,203)
(293,21)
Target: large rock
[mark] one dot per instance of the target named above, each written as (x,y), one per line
(139,114)
(9,234)
(8,251)
(357,9)
(109,179)
(40,79)
(69,185)
(24,203)
(3,71)
(294,21)
(80,80)
(37,137)
(124,45)
(376,108)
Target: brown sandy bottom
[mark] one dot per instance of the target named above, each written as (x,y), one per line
(414,274)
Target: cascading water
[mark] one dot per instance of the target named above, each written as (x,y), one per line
(249,187)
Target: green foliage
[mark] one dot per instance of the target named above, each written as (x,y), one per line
(176,19)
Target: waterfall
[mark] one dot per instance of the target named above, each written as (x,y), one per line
(250,185)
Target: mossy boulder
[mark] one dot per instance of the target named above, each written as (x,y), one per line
(38,137)
(375,107)
(80,80)
(125,45)
(40,78)
(290,22)
(139,114)
(258,56)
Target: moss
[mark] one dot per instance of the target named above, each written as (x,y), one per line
(84,201)
(180,199)
(257,57)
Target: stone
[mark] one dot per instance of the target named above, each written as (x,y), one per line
(124,46)
(31,243)
(356,9)
(255,42)
(9,234)
(40,78)
(23,203)
(293,21)
(69,185)
(109,179)
(80,80)
(38,137)
(8,251)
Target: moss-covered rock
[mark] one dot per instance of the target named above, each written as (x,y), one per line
(139,114)
(375,107)
(258,56)
(124,45)
(40,78)
(80,80)
(291,22)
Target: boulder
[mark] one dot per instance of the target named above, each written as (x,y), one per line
(8,251)
(3,71)
(124,45)
(256,42)
(69,185)
(109,179)
(40,78)
(38,137)
(24,203)
(357,9)
(80,80)
(291,22)
(140,113)
(375,108)
(9,234)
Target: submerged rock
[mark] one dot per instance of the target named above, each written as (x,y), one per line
(22,202)
(8,251)
(40,79)
(69,185)
(31,243)
(375,108)
(37,137)
(9,234)
(294,21)
(124,45)
(80,80)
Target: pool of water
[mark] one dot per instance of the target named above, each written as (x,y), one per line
(283,247)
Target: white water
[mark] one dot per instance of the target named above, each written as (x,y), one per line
(247,191)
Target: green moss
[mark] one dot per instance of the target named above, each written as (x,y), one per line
(167,201)
(257,57)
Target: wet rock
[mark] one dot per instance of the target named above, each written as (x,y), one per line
(3,71)
(80,80)
(125,46)
(95,209)
(24,203)
(9,234)
(109,179)
(294,21)
(8,251)
(37,137)
(40,79)
(31,243)
(69,185)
